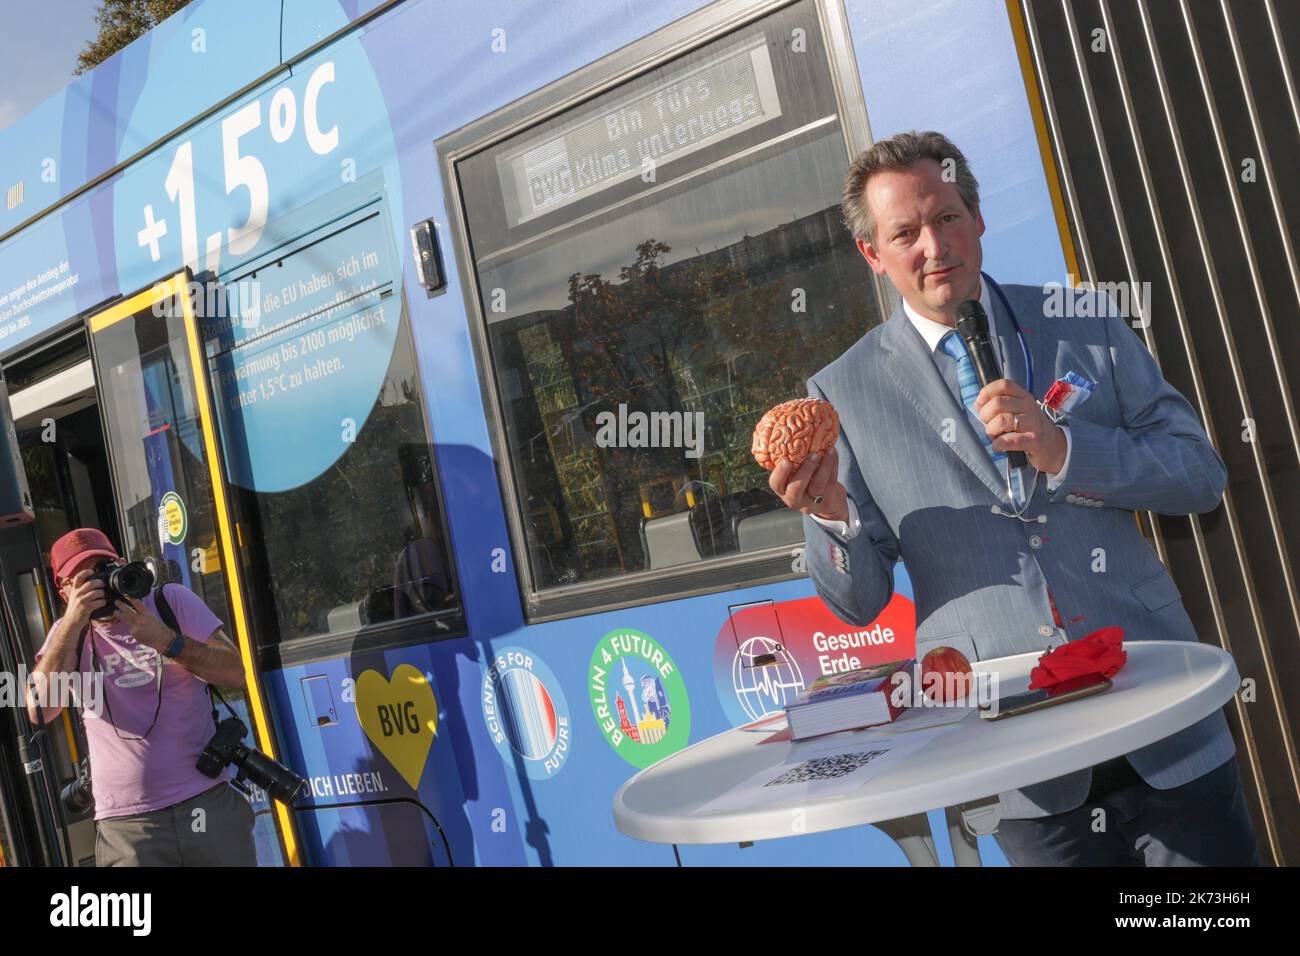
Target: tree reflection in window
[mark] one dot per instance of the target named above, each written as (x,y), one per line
(718,333)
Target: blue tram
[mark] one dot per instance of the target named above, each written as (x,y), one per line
(425,342)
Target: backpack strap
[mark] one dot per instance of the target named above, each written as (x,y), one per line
(164,609)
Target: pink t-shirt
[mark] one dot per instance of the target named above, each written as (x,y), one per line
(129,775)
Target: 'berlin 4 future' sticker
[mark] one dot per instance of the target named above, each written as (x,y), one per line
(638,697)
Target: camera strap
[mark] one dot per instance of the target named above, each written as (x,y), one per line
(108,707)
(81,645)
(169,618)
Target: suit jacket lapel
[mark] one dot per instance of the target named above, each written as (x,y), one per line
(1041,338)
(912,369)
(1015,358)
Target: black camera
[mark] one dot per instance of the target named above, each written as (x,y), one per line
(76,795)
(227,747)
(134,580)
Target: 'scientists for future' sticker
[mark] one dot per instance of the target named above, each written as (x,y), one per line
(638,697)
(526,713)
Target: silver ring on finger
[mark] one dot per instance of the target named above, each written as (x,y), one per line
(817,499)
(1015,423)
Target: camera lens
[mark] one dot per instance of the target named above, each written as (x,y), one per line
(279,782)
(134,580)
(76,796)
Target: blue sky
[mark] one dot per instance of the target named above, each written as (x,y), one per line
(39,43)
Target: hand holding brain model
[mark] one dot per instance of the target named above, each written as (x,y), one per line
(794,430)
(795,441)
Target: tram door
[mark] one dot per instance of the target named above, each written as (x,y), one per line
(29,818)
(52,403)
(169,493)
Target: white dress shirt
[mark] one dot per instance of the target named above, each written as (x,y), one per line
(933,333)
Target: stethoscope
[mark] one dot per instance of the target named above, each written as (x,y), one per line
(1011,313)
(1029,387)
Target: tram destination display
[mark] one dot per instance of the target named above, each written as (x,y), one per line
(691,109)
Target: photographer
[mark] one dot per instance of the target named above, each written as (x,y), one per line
(153,807)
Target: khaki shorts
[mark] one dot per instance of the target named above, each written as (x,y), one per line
(180,835)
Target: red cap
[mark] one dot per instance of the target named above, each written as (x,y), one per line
(78,544)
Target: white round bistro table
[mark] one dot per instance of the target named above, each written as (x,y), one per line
(1163,687)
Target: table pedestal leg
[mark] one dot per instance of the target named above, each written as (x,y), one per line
(965,848)
(913,836)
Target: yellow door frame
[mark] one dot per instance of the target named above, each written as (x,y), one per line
(178,286)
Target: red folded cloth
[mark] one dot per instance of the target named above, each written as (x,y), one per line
(1089,660)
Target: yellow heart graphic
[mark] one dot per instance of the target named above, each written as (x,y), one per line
(400,718)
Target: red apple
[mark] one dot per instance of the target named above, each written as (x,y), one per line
(945,661)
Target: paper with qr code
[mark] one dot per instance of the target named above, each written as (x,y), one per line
(825,767)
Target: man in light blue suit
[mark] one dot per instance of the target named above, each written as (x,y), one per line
(919,473)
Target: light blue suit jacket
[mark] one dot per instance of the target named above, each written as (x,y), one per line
(979,579)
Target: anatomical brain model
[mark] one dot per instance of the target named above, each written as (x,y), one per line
(794,430)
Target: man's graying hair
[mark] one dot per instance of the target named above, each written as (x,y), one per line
(901,151)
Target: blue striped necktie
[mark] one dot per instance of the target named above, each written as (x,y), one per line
(969,384)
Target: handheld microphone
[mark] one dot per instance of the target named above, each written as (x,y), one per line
(973,327)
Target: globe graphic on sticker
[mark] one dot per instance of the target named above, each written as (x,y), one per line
(528,714)
(763,691)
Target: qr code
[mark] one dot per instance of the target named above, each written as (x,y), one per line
(827,768)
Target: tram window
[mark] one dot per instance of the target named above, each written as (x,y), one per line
(665,256)
(333,480)
(153,435)
(67,471)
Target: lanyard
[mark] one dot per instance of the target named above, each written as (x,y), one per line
(1029,387)
(94,662)
(1006,307)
